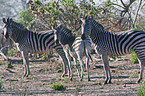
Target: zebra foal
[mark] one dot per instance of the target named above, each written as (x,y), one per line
(109,44)
(32,42)
(76,48)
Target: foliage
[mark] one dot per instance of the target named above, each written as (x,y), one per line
(44,56)
(9,66)
(1,85)
(14,53)
(141,91)
(26,17)
(133,58)
(58,86)
(68,12)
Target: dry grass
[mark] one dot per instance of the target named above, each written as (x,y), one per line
(45,74)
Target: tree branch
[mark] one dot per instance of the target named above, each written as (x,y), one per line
(137,11)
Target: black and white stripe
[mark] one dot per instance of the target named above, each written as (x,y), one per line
(109,44)
(32,42)
(76,47)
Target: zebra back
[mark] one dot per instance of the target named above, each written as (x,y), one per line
(113,44)
(33,42)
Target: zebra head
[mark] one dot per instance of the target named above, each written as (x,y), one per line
(87,27)
(57,35)
(7,27)
(64,35)
(91,27)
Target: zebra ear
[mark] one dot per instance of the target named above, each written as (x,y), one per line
(82,20)
(54,27)
(57,41)
(11,20)
(4,20)
(86,17)
(8,19)
(92,16)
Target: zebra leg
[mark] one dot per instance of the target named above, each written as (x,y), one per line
(26,63)
(82,66)
(142,63)
(106,68)
(76,64)
(87,67)
(141,72)
(5,57)
(69,60)
(66,64)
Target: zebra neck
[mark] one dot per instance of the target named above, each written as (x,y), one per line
(71,48)
(19,35)
(98,36)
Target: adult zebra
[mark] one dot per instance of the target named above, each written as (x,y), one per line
(109,44)
(76,47)
(32,42)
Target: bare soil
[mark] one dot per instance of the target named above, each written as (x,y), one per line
(46,73)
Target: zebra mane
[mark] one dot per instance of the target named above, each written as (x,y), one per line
(19,25)
(98,25)
(65,35)
(65,28)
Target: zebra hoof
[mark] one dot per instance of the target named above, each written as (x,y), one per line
(139,80)
(81,79)
(109,82)
(89,79)
(105,82)
(24,76)
(70,79)
(62,75)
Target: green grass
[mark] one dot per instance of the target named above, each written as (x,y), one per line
(133,58)
(58,86)
(14,53)
(141,91)
(1,85)
(44,56)
(9,66)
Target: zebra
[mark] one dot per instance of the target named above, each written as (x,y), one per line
(110,44)
(76,47)
(32,42)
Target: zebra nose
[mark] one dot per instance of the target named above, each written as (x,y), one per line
(57,42)
(6,36)
(83,37)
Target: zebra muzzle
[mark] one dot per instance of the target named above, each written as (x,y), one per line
(6,36)
(83,37)
(57,41)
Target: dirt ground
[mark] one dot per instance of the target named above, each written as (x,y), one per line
(44,74)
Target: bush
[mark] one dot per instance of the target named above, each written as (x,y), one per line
(44,56)
(1,85)
(141,91)
(134,58)
(14,53)
(58,86)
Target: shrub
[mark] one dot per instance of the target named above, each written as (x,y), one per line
(141,91)
(14,53)
(134,58)
(1,85)
(58,86)
(44,56)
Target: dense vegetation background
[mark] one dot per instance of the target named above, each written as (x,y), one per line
(37,15)
(40,15)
